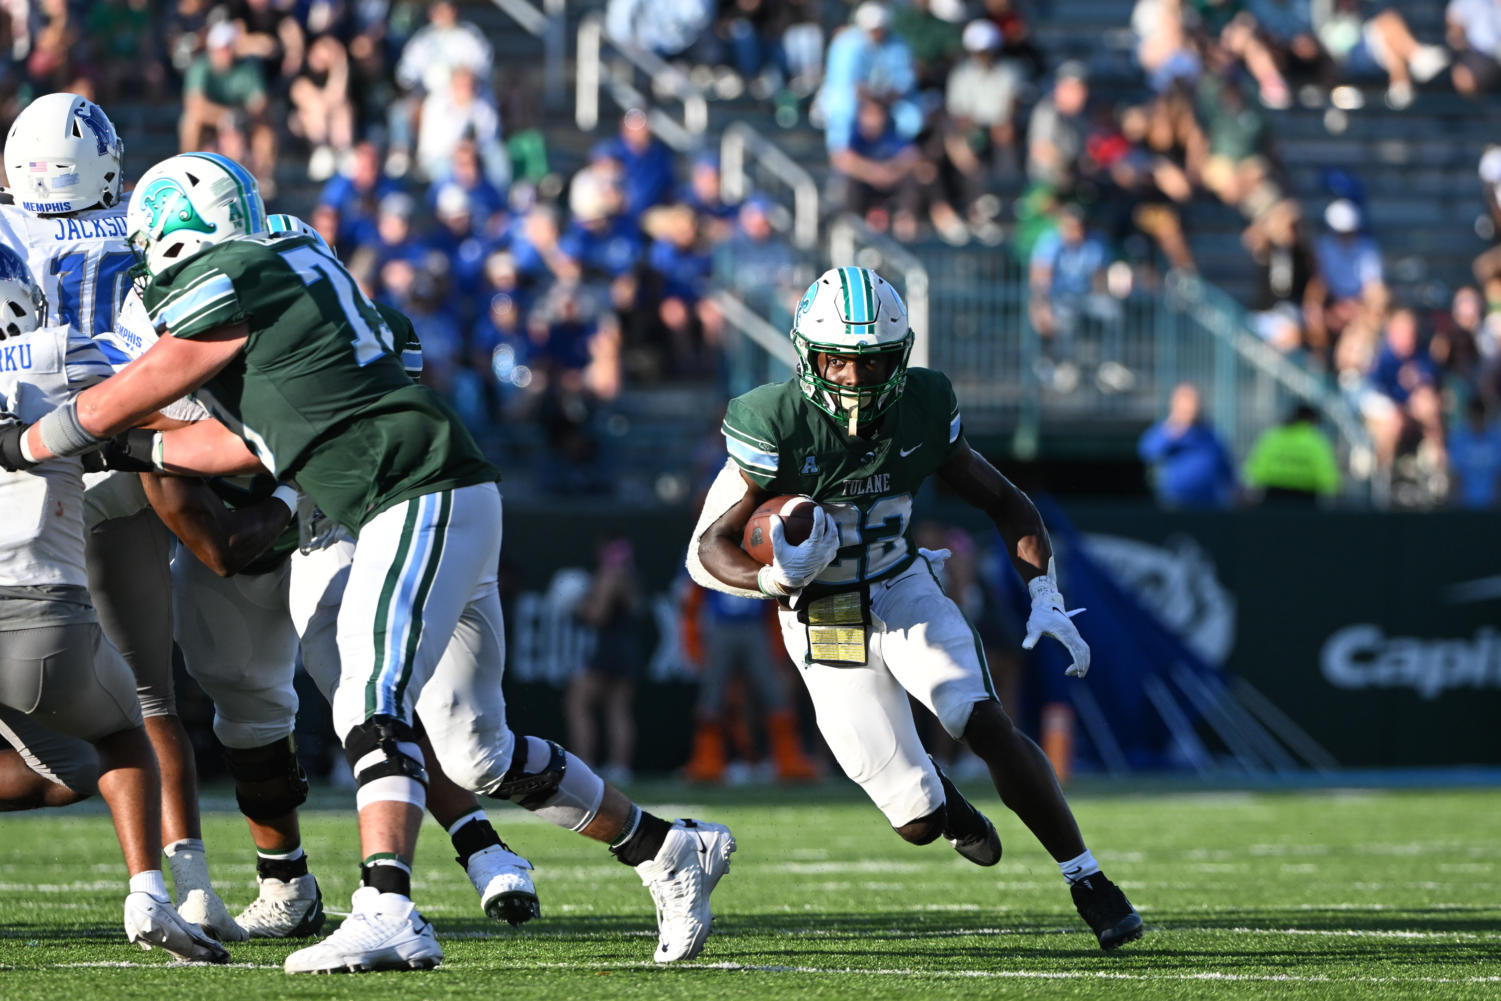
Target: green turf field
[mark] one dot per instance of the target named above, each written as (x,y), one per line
(1329,894)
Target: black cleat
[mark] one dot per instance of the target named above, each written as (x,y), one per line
(984,849)
(1106,910)
(514,908)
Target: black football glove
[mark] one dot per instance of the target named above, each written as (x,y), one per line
(11,430)
(130,452)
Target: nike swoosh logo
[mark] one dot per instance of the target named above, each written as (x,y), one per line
(908,451)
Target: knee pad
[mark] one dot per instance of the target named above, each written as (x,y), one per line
(563,791)
(530,790)
(926,829)
(269,781)
(386,761)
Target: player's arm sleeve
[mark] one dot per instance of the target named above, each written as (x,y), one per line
(187,410)
(726,491)
(955,430)
(86,364)
(197,300)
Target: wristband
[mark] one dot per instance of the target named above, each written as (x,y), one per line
(287,494)
(63,435)
(768,584)
(1044,590)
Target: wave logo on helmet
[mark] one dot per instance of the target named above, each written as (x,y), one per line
(807,302)
(92,118)
(171,209)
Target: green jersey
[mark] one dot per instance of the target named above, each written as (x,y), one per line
(788,446)
(318,392)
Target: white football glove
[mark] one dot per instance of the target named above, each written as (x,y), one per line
(794,567)
(1049,618)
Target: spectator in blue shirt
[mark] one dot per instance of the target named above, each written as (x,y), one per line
(356,193)
(1475,459)
(679,268)
(394,239)
(866,60)
(533,240)
(1190,465)
(602,242)
(704,195)
(1067,287)
(648,165)
(876,168)
(758,264)
(1405,381)
(487,203)
(454,237)
(1349,266)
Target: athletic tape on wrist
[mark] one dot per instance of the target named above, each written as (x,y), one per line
(768,585)
(62,434)
(287,494)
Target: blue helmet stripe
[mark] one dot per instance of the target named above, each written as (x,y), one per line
(254,212)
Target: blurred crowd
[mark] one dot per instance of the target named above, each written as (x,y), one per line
(540,293)
(537,296)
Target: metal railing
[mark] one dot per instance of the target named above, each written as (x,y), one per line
(740,142)
(1275,381)
(632,77)
(624,76)
(549,24)
(851,242)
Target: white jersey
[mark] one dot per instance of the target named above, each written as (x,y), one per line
(82,262)
(41,532)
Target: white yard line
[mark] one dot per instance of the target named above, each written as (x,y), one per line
(881,972)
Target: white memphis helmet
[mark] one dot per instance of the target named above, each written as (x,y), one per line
(62,154)
(22,305)
(851,311)
(188,202)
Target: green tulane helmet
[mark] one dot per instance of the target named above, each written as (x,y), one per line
(851,311)
(188,202)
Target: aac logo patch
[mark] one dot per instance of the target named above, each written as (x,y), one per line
(810,466)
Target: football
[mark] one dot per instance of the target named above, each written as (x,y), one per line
(796,511)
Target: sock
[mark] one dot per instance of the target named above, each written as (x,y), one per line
(388,873)
(471,835)
(964,821)
(284,865)
(151,882)
(641,839)
(189,866)
(1078,867)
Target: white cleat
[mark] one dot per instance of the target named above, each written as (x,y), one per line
(504,882)
(686,870)
(152,923)
(285,908)
(202,906)
(384,931)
